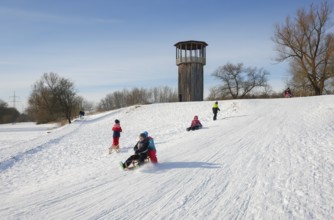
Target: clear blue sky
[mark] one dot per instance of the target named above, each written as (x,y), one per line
(107,45)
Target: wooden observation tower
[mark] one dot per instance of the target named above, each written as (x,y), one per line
(190,59)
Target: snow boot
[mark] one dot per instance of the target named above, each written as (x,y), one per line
(122,165)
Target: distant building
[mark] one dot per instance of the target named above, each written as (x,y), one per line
(190,59)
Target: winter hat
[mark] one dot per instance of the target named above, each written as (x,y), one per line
(216,102)
(117,121)
(196,117)
(142,135)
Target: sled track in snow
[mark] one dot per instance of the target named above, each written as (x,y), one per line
(4,165)
(262,159)
(10,162)
(43,144)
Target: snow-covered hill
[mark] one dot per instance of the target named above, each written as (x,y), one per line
(262,159)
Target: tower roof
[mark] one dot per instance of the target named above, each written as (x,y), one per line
(190,44)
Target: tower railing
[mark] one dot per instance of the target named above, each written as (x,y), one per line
(201,60)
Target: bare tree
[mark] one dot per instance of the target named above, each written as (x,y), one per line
(106,103)
(52,98)
(66,95)
(155,95)
(42,106)
(214,93)
(306,42)
(137,96)
(115,100)
(166,94)
(268,91)
(239,81)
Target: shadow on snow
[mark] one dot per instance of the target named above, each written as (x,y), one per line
(181,165)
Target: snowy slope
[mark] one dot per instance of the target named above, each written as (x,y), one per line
(262,159)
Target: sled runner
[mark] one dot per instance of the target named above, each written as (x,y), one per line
(134,164)
(193,128)
(114,148)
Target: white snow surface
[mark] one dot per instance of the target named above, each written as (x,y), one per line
(262,159)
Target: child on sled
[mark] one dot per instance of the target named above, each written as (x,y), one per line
(195,124)
(141,152)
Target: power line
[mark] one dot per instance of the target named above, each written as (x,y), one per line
(14,99)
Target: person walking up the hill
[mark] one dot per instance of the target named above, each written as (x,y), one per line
(116,135)
(151,148)
(195,124)
(215,110)
(141,152)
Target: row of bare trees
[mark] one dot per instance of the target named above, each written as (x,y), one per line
(124,98)
(11,114)
(54,98)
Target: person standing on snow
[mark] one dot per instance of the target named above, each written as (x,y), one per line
(215,110)
(287,93)
(151,148)
(195,124)
(116,135)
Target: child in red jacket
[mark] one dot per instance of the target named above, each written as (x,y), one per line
(116,134)
(151,148)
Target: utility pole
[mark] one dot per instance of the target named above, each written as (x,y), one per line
(14,99)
